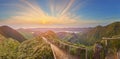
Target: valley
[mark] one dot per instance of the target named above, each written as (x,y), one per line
(49,44)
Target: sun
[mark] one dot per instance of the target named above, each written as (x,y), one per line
(43,22)
(33,14)
(47,19)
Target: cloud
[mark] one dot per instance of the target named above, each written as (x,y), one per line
(33,14)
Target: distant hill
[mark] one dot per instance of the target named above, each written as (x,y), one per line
(98,32)
(27,34)
(92,35)
(113,29)
(105,31)
(39,30)
(71,37)
(11,33)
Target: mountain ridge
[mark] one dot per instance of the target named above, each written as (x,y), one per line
(8,32)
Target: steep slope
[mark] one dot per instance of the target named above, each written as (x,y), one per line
(112,29)
(8,48)
(11,33)
(35,49)
(98,32)
(107,31)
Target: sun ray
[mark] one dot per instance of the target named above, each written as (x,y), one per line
(67,7)
(32,13)
(35,7)
(52,7)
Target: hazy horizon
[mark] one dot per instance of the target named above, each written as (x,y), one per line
(28,27)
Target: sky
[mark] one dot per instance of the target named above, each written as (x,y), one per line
(58,13)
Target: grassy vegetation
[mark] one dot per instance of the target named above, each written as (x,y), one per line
(36,48)
(8,48)
(29,49)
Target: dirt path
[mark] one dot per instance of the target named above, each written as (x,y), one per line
(59,53)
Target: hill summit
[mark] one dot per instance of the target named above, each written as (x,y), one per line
(8,32)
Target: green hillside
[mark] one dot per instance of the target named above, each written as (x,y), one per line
(30,49)
(93,35)
(98,32)
(35,49)
(8,32)
(8,48)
